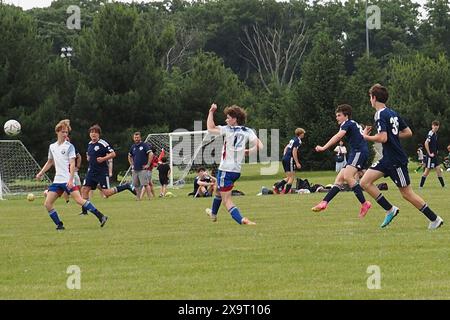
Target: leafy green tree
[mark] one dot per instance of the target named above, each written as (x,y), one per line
(419,90)
(317,97)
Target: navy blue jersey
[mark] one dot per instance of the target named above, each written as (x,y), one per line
(139,153)
(432,142)
(293,143)
(95,150)
(354,134)
(387,120)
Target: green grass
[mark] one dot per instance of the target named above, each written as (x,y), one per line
(168,249)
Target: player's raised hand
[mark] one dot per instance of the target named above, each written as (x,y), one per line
(319,149)
(213,108)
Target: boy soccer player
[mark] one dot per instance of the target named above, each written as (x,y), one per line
(61,154)
(98,154)
(233,152)
(290,162)
(431,147)
(394,163)
(357,159)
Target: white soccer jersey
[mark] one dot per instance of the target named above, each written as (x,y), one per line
(61,155)
(233,151)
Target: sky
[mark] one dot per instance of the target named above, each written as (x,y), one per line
(28,4)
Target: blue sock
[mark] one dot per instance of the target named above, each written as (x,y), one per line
(54,216)
(216,204)
(236,214)
(89,206)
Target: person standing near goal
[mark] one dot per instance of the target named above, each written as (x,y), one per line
(61,154)
(233,153)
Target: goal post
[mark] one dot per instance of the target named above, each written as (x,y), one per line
(18,170)
(185,151)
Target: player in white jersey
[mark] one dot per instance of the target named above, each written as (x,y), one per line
(233,153)
(62,155)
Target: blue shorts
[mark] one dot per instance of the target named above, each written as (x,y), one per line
(225,180)
(398,173)
(289,165)
(94,179)
(430,163)
(60,188)
(358,159)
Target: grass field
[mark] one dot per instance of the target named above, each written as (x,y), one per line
(169,249)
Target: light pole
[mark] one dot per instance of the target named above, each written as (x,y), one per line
(367,33)
(67,52)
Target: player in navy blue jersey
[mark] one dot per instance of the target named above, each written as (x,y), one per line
(357,159)
(431,147)
(394,163)
(290,162)
(98,154)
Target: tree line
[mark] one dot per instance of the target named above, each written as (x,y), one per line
(156,67)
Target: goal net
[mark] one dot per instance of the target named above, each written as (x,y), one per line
(18,170)
(185,151)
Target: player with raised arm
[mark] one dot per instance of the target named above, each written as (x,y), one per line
(61,154)
(236,136)
(394,163)
(357,159)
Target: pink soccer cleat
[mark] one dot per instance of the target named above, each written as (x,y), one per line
(364,209)
(320,207)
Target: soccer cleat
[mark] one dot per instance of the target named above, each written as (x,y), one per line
(103,221)
(60,226)
(248,222)
(391,214)
(321,206)
(211,215)
(275,190)
(436,223)
(83,212)
(364,209)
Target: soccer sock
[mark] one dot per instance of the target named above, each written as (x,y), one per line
(441,180)
(332,193)
(428,213)
(54,216)
(359,193)
(287,189)
(216,204)
(280,185)
(122,187)
(236,214)
(422,181)
(89,206)
(381,200)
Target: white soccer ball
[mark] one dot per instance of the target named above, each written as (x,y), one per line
(30,197)
(12,127)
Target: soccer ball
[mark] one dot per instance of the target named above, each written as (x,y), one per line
(169,194)
(12,127)
(30,197)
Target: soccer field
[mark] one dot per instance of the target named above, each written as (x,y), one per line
(169,249)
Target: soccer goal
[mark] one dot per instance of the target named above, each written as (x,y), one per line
(18,170)
(185,151)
